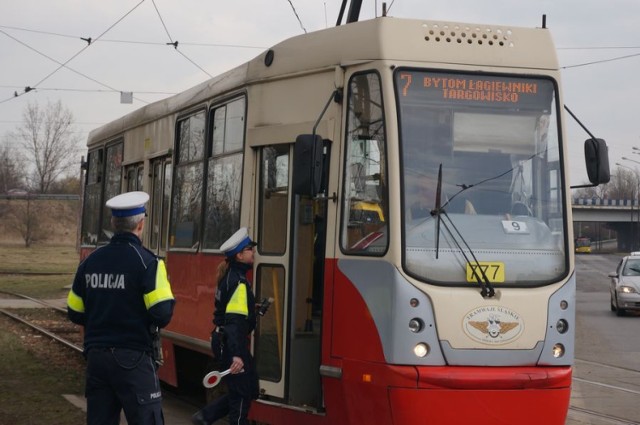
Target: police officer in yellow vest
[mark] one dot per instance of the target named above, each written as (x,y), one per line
(234,319)
(121,295)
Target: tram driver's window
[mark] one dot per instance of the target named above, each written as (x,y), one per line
(365,208)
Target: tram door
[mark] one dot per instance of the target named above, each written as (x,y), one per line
(289,267)
(160,195)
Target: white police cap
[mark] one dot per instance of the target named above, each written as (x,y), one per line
(237,242)
(128,204)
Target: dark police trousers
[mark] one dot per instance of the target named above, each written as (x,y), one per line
(120,378)
(242,389)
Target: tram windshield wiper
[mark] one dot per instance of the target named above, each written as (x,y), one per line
(436,212)
(478,272)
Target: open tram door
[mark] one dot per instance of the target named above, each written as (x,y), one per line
(289,267)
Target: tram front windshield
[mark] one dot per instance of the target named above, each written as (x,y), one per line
(500,209)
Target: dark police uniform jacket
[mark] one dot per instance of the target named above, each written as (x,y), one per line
(235,310)
(118,293)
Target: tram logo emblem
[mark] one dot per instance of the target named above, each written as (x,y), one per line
(493,325)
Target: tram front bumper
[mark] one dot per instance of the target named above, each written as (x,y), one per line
(479,396)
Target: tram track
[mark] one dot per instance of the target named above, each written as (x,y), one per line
(599,379)
(35,300)
(42,330)
(610,419)
(51,326)
(55,328)
(590,362)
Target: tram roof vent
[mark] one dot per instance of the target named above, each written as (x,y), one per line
(459,34)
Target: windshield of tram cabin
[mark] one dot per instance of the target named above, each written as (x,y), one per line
(496,139)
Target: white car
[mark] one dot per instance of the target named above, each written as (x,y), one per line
(625,285)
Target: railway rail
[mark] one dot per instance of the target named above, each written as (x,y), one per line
(596,378)
(53,327)
(605,418)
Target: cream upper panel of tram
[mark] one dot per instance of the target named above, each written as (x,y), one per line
(378,39)
(412,40)
(150,140)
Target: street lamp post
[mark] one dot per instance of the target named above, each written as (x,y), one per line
(634,228)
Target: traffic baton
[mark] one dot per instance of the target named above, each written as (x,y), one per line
(213,378)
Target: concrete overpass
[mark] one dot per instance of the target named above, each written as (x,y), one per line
(598,218)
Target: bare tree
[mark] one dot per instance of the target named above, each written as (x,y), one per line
(11,170)
(27,220)
(624,184)
(47,137)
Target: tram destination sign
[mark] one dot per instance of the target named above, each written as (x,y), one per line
(474,89)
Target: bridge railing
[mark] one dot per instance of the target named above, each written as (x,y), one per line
(606,202)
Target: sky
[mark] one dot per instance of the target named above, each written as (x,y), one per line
(598,47)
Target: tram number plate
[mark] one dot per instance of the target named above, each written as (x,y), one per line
(494,271)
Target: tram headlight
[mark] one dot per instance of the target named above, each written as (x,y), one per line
(562,326)
(421,349)
(416,325)
(558,350)
(564,304)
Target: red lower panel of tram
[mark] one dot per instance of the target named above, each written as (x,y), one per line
(373,393)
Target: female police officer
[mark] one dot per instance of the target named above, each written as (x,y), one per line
(234,319)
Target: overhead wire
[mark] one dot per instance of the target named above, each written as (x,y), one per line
(150,43)
(64,65)
(175,43)
(295,12)
(87,90)
(29,88)
(389,8)
(89,44)
(601,61)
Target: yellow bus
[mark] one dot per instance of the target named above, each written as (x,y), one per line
(583,245)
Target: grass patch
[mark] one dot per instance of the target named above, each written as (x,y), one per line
(20,268)
(35,371)
(38,259)
(31,387)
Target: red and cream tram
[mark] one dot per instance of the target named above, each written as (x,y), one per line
(406,181)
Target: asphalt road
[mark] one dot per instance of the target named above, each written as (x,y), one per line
(606,382)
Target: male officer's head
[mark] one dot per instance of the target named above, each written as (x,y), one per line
(128,212)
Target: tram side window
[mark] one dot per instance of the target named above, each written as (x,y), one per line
(112,186)
(160,189)
(166,201)
(224,173)
(365,208)
(189,178)
(134,175)
(92,192)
